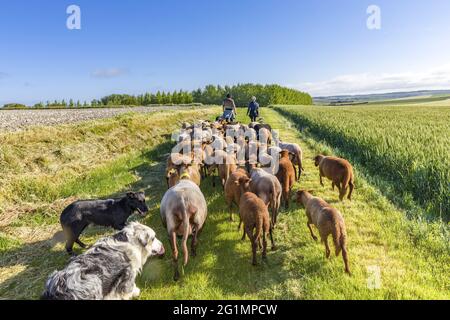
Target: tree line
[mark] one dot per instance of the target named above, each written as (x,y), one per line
(209,95)
(242,93)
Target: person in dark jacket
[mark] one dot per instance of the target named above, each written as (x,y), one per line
(253,110)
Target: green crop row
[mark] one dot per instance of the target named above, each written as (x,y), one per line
(406,145)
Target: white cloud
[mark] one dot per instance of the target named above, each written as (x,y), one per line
(109,73)
(364,83)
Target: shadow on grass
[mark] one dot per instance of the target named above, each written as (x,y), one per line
(225,260)
(222,256)
(36,261)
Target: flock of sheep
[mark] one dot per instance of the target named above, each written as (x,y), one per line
(256,176)
(257,172)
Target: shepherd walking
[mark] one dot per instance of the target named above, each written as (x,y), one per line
(253,110)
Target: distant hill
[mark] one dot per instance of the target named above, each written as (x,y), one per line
(383,97)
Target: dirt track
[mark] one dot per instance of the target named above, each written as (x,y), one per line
(15,120)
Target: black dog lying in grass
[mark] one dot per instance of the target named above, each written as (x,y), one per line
(108,213)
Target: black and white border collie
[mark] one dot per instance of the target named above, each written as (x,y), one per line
(108,270)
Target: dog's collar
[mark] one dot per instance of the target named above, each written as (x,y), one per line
(185,176)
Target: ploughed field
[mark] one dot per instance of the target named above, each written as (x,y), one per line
(406,146)
(44,169)
(14,120)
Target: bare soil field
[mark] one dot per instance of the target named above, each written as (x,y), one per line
(15,120)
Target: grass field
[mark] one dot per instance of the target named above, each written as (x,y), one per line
(412,256)
(405,145)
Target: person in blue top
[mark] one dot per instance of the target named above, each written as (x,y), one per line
(253,110)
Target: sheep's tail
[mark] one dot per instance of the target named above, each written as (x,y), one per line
(340,239)
(276,203)
(185,232)
(259,227)
(336,232)
(346,181)
(352,186)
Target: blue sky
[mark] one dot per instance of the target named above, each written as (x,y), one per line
(323,47)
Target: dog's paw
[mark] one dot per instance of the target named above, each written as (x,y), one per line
(136,292)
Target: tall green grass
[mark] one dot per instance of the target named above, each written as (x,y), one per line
(407,146)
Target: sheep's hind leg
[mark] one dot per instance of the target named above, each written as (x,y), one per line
(173,244)
(310,230)
(230,207)
(271,239)
(264,246)
(254,242)
(327,247)
(342,193)
(194,242)
(352,186)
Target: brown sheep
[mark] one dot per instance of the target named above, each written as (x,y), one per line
(286,176)
(232,191)
(183,213)
(329,221)
(339,171)
(226,165)
(297,155)
(267,187)
(255,216)
(187,171)
(174,161)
